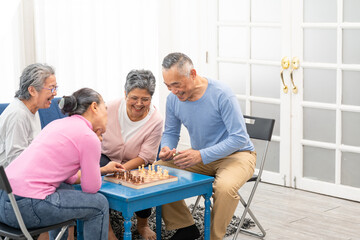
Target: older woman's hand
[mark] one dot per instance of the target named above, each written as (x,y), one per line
(112,167)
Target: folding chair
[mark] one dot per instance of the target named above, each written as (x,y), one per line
(260,129)
(24,233)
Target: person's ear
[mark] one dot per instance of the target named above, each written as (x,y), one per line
(32,91)
(94,107)
(193,73)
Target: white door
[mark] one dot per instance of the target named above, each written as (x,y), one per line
(311,93)
(326,111)
(250,41)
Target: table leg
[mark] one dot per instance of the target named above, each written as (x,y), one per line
(127,227)
(207,217)
(79,230)
(158,222)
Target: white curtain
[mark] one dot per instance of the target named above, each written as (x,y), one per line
(12,54)
(91,43)
(95,43)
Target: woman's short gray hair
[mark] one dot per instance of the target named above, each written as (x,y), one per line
(79,101)
(143,79)
(33,75)
(180,60)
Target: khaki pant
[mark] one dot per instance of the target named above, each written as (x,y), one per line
(230,174)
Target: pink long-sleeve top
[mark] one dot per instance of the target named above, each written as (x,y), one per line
(143,144)
(62,148)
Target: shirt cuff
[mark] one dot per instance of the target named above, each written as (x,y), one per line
(72,179)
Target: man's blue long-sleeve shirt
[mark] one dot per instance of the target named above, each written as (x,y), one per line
(215,123)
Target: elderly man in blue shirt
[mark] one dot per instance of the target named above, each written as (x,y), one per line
(220,145)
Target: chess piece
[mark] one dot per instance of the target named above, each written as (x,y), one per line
(166,173)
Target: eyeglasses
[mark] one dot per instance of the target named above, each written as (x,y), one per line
(52,89)
(134,99)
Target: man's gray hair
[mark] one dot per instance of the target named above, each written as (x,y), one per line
(33,75)
(180,60)
(143,79)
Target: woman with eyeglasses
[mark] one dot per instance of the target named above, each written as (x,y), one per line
(20,121)
(42,175)
(133,133)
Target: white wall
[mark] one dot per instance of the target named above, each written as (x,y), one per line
(12,49)
(183,28)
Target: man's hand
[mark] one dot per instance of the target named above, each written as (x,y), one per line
(112,167)
(187,158)
(166,154)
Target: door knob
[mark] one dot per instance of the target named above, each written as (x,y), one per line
(295,63)
(285,63)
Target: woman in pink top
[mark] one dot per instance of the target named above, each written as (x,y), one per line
(134,133)
(41,175)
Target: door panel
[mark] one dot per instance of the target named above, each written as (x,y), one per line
(314,11)
(350,134)
(315,143)
(319,164)
(350,166)
(319,124)
(233,10)
(320,45)
(265,43)
(233,42)
(350,88)
(326,112)
(351,50)
(234,74)
(265,11)
(269,87)
(318,81)
(267,110)
(249,44)
(351,11)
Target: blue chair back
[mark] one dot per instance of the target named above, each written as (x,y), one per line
(2,107)
(50,114)
(47,115)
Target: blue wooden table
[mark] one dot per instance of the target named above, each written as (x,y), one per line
(127,200)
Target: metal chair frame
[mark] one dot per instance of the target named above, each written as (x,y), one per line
(261,129)
(24,233)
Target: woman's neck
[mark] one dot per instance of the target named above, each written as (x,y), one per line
(30,105)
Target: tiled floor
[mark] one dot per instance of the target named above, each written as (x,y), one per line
(287,213)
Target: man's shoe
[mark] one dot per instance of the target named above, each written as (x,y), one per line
(186,233)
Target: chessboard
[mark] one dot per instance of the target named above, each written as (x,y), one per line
(142,177)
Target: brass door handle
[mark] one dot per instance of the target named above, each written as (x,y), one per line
(285,65)
(295,63)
